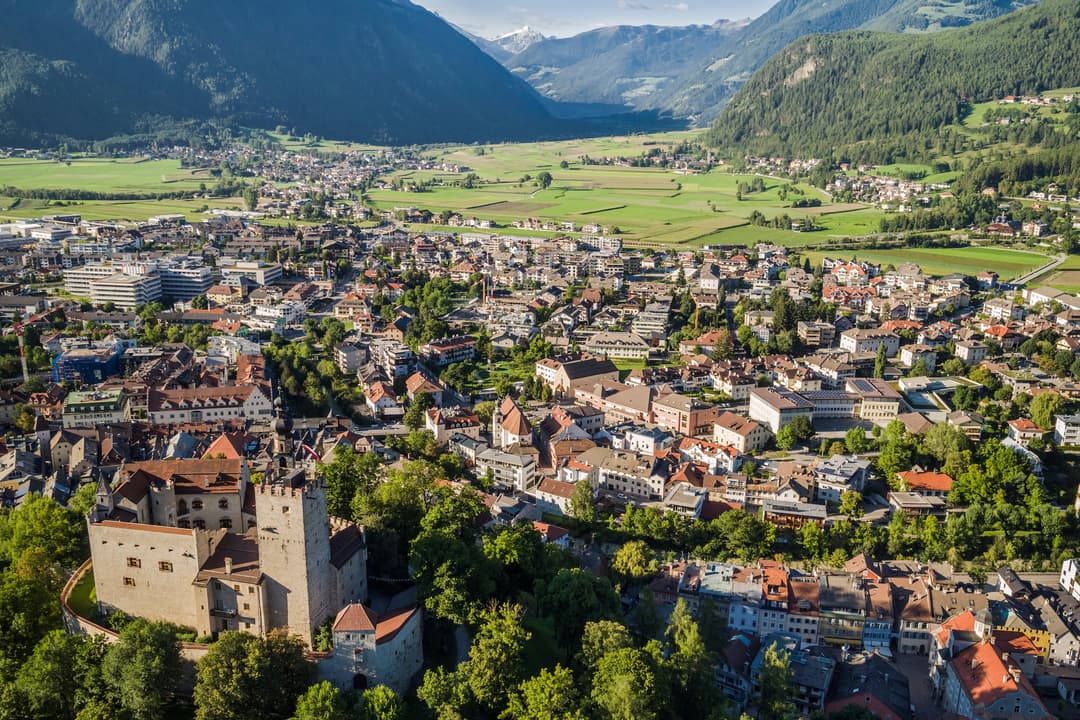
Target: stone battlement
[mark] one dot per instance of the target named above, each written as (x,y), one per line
(286,492)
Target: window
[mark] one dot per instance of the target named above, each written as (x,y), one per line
(164,566)
(236,588)
(284,509)
(129,582)
(247,606)
(196,504)
(251,589)
(223,504)
(134,562)
(226,524)
(200,524)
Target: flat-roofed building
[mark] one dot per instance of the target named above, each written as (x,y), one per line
(96,407)
(816,334)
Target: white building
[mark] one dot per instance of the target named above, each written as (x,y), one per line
(1067,430)
(510,469)
(777,407)
(288,313)
(860,340)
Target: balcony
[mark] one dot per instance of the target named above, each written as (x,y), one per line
(223,612)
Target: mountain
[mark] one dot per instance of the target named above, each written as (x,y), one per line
(932,15)
(617,65)
(377,70)
(519,41)
(693,71)
(837,91)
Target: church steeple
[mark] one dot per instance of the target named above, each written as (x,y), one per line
(283,445)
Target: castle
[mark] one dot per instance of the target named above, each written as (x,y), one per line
(197,543)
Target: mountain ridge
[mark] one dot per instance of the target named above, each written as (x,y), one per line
(858,91)
(379,71)
(693,71)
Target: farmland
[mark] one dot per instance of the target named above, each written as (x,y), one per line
(104,175)
(649,206)
(942,261)
(1066,278)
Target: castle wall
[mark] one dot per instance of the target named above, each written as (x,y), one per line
(146,571)
(395,662)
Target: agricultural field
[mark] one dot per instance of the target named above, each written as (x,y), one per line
(1007,263)
(106,175)
(13,209)
(1066,278)
(649,206)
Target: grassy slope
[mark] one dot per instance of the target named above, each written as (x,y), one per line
(942,261)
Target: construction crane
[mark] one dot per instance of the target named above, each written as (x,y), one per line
(17,328)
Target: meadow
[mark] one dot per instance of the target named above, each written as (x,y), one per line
(1007,263)
(1066,278)
(649,206)
(12,208)
(106,175)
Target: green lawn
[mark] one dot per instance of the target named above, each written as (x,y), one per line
(83,599)
(1066,278)
(941,261)
(541,651)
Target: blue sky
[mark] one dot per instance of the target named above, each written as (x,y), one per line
(562,18)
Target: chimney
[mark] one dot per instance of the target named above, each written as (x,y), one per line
(228,566)
(1015,672)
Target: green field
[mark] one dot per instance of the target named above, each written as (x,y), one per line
(102,175)
(649,206)
(942,261)
(114,209)
(1066,278)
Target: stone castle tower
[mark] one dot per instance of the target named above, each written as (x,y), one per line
(294,555)
(294,541)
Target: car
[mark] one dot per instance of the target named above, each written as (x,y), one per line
(621,496)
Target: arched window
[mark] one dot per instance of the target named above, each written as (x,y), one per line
(223,503)
(196,505)
(200,524)
(181,507)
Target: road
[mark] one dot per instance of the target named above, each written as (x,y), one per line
(1025,279)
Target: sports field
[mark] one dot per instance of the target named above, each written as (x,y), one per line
(126,175)
(1007,263)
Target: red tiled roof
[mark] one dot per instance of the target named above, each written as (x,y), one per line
(985,677)
(228,445)
(927,481)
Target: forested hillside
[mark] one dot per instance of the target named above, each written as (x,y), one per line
(692,72)
(379,70)
(860,92)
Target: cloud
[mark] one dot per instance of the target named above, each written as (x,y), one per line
(631,5)
(677,7)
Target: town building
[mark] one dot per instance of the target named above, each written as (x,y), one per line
(776,407)
(95,407)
